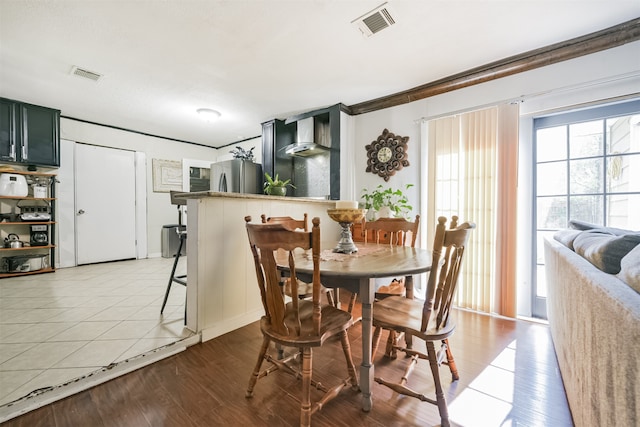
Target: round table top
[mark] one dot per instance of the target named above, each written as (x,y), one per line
(371,261)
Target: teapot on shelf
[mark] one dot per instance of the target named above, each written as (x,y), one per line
(13,241)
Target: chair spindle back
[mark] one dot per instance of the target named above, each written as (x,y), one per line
(272,243)
(448,249)
(398,229)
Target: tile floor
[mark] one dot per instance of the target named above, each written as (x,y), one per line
(60,326)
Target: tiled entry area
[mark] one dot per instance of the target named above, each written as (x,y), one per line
(60,326)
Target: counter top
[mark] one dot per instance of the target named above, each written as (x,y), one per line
(205,194)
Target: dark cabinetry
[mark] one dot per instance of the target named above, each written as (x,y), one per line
(313,175)
(29,134)
(276,135)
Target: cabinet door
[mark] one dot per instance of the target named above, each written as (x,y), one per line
(268,146)
(8,136)
(40,136)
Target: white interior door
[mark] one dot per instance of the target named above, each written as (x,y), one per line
(105,204)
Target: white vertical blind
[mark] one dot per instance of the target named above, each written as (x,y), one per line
(473,165)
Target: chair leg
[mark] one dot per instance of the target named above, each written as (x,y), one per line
(330,299)
(408,285)
(173,273)
(336,297)
(352,302)
(351,368)
(256,371)
(305,407)
(440,400)
(390,351)
(451,362)
(375,341)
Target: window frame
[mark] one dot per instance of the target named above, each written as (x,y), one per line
(568,118)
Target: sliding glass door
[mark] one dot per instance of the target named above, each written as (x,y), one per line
(587,168)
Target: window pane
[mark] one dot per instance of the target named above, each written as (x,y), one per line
(586,176)
(551,144)
(541,235)
(623,211)
(586,139)
(541,282)
(623,173)
(552,212)
(587,208)
(552,178)
(623,134)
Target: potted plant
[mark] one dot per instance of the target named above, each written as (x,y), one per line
(275,186)
(242,154)
(386,201)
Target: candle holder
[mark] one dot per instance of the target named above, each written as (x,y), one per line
(346,217)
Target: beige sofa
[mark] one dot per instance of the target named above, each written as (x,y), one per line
(594,319)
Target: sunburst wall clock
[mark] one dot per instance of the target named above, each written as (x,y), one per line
(387,154)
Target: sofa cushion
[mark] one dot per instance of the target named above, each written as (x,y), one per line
(630,269)
(566,237)
(582,225)
(604,249)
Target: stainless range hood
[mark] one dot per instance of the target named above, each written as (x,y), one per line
(305,145)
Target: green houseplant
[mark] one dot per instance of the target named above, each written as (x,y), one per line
(380,198)
(275,186)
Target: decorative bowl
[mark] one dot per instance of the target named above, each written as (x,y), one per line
(346,215)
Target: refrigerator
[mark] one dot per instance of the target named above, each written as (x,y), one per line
(236,176)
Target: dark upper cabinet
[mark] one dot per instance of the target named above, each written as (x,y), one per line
(29,134)
(276,135)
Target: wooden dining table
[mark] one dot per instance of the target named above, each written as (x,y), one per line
(357,272)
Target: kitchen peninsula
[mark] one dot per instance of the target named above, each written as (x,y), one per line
(222,294)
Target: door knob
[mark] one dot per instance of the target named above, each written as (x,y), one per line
(81,211)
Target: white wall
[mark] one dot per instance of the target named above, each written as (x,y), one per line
(159,208)
(605,75)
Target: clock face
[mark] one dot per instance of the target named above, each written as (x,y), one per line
(387,154)
(384,155)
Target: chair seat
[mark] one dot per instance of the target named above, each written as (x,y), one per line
(396,287)
(333,321)
(405,315)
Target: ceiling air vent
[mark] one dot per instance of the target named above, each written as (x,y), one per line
(374,21)
(80,72)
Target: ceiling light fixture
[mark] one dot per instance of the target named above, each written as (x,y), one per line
(208,115)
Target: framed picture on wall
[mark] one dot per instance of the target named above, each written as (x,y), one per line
(167,175)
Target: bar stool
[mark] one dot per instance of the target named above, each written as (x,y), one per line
(182,234)
(181,279)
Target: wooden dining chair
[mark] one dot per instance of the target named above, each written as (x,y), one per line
(429,320)
(304,289)
(299,324)
(394,231)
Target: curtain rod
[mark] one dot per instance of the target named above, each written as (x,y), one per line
(522,98)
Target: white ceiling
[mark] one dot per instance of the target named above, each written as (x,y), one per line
(255,60)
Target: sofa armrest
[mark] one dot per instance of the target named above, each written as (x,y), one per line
(595,324)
